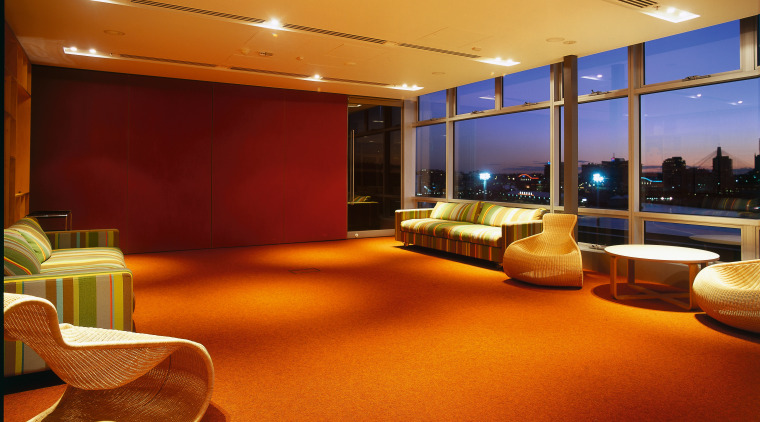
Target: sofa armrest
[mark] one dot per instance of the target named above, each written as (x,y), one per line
(100,299)
(514,231)
(84,238)
(409,214)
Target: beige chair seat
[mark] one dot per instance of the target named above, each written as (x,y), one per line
(730,293)
(111,374)
(550,258)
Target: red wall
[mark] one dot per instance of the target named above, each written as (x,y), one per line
(177,164)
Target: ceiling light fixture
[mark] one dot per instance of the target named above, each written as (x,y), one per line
(498,61)
(670,14)
(405,87)
(91,53)
(272,24)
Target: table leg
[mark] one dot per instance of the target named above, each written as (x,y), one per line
(613,276)
(693,270)
(631,271)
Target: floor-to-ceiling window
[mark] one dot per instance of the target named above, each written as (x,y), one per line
(668,141)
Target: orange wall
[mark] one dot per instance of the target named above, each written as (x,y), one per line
(177,164)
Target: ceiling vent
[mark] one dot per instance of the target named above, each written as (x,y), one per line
(163,60)
(270,72)
(301,28)
(638,4)
(351,81)
(199,11)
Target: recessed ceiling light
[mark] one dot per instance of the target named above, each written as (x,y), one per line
(569,42)
(555,39)
(439,73)
(498,61)
(671,14)
(272,24)
(114,32)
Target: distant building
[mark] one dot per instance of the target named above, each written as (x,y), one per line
(723,173)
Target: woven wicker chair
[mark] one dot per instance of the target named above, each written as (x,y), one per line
(730,293)
(111,374)
(550,258)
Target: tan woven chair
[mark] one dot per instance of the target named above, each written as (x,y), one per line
(111,374)
(550,258)
(730,293)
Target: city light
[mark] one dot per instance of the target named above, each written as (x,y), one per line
(598,178)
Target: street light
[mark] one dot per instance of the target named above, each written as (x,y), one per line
(598,179)
(484,177)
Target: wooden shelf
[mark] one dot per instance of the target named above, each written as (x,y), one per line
(17,116)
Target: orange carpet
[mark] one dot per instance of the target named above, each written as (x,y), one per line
(365,330)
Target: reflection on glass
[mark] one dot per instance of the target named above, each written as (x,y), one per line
(602,154)
(699,150)
(476,96)
(706,51)
(374,167)
(606,231)
(511,149)
(724,241)
(430,170)
(602,72)
(432,106)
(528,86)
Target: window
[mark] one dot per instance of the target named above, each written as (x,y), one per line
(602,154)
(430,179)
(605,231)
(529,86)
(603,72)
(476,96)
(702,52)
(432,106)
(724,241)
(503,158)
(699,150)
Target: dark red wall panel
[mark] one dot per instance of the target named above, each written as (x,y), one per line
(248,157)
(79,146)
(315,166)
(177,164)
(169,165)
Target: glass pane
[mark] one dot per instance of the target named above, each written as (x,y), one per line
(604,231)
(602,154)
(476,96)
(432,106)
(724,241)
(699,150)
(430,174)
(529,86)
(702,52)
(603,72)
(374,168)
(503,158)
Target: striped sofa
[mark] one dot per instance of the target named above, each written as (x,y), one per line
(475,229)
(83,273)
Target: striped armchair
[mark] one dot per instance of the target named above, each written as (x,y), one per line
(83,273)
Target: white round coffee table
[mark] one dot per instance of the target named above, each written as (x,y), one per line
(694,258)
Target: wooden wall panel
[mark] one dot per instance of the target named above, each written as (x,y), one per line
(248,162)
(170,134)
(315,166)
(79,147)
(177,164)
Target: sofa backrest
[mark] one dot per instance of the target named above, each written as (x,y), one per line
(456,211)
(497,215)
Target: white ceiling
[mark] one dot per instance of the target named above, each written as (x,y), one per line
(510,29)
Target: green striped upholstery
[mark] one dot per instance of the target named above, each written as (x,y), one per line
(95,299)
(496,215)
(35,236)
(474,240)
(84,259)
(465,211)
(84,239)
(18,256)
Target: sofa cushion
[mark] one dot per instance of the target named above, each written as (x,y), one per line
(431,226)
(465,211)
(18,256)
(497,215)
(84,259)
(35,236)
(477,234)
